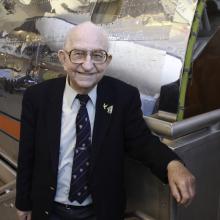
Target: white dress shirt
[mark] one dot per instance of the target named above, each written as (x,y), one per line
(70,109)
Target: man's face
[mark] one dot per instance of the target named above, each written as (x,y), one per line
(84,76)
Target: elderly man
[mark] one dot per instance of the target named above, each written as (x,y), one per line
(74,133)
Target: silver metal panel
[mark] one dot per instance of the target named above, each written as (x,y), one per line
(201,152)
(6,173)
(146,194)
(7,192)
(156,31)
(7,198)
(10,103)
(171,129)
(8,148)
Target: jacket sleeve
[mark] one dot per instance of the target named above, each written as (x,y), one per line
(26,153)
(141,144)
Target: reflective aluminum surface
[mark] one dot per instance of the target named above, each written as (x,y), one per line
(150,37)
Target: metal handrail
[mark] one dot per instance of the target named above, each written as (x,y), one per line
(181,128)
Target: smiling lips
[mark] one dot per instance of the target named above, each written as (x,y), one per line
(86,74)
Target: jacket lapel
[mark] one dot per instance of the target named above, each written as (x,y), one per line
(54,116)
(104,112)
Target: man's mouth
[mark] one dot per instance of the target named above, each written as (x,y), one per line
(86,74)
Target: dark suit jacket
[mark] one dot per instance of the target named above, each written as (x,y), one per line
(169,97)
(114,134)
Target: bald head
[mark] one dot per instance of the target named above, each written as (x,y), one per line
(84,32)
(83,57)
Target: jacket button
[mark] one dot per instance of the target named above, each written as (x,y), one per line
(46,212)
(52,188)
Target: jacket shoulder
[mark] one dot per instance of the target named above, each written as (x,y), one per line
(45,86)
(119,85)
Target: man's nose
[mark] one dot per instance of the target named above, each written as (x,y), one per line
(88,64)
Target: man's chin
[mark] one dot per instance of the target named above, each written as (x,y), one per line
(86,82)
(86,85)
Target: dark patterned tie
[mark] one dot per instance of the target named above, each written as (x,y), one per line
(79,188)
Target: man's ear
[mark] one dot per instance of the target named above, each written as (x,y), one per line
(109,59)
(61,56)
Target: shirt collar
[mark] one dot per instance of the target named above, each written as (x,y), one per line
(70,94)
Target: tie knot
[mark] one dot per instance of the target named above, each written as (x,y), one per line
(83,99)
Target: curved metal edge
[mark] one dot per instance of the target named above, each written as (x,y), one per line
(195,123)
(182,128)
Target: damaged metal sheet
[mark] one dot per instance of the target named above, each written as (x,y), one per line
(149,36)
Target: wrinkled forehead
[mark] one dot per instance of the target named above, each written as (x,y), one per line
(87,38)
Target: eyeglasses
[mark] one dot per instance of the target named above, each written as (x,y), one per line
(79,56)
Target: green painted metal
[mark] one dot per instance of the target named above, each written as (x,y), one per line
(188,58)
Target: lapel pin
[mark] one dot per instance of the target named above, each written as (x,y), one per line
(105,106)
(108,108)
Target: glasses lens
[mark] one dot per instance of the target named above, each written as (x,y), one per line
(99,56)
(79,56)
